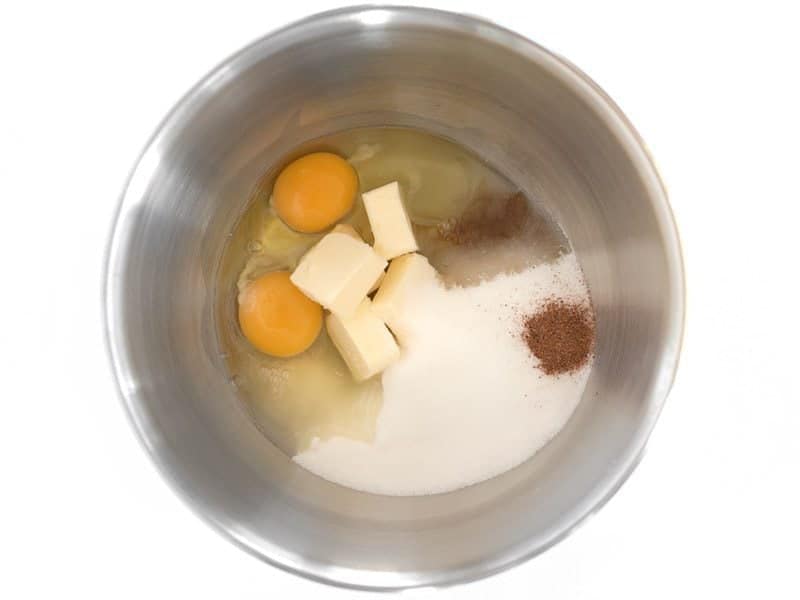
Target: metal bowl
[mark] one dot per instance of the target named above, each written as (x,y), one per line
(543,124)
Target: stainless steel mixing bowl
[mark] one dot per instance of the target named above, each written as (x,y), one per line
(532,115)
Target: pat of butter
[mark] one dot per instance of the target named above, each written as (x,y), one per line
(407,274)
(351,231)
(363,340)
(389,221)
(338,272)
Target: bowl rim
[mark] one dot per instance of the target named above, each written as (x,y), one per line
(486,30)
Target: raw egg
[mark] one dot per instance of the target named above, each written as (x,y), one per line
(276,317)
(315,191)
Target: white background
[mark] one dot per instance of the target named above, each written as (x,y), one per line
(712,511)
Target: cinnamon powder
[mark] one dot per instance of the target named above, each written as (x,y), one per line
(488,220)
(561,335)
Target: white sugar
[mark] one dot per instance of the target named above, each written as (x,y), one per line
(465,402)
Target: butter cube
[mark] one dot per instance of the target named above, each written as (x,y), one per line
(338,272)
(364,342)
(407,274)
(351,231)
(389,221)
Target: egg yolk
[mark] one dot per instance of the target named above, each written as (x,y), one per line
(276,317)
(315,191)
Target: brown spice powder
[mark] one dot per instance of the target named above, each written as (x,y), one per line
(561,335)
(488,220)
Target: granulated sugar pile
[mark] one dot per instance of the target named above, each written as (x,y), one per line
(465,402)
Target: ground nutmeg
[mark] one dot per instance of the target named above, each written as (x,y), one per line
(561,335)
